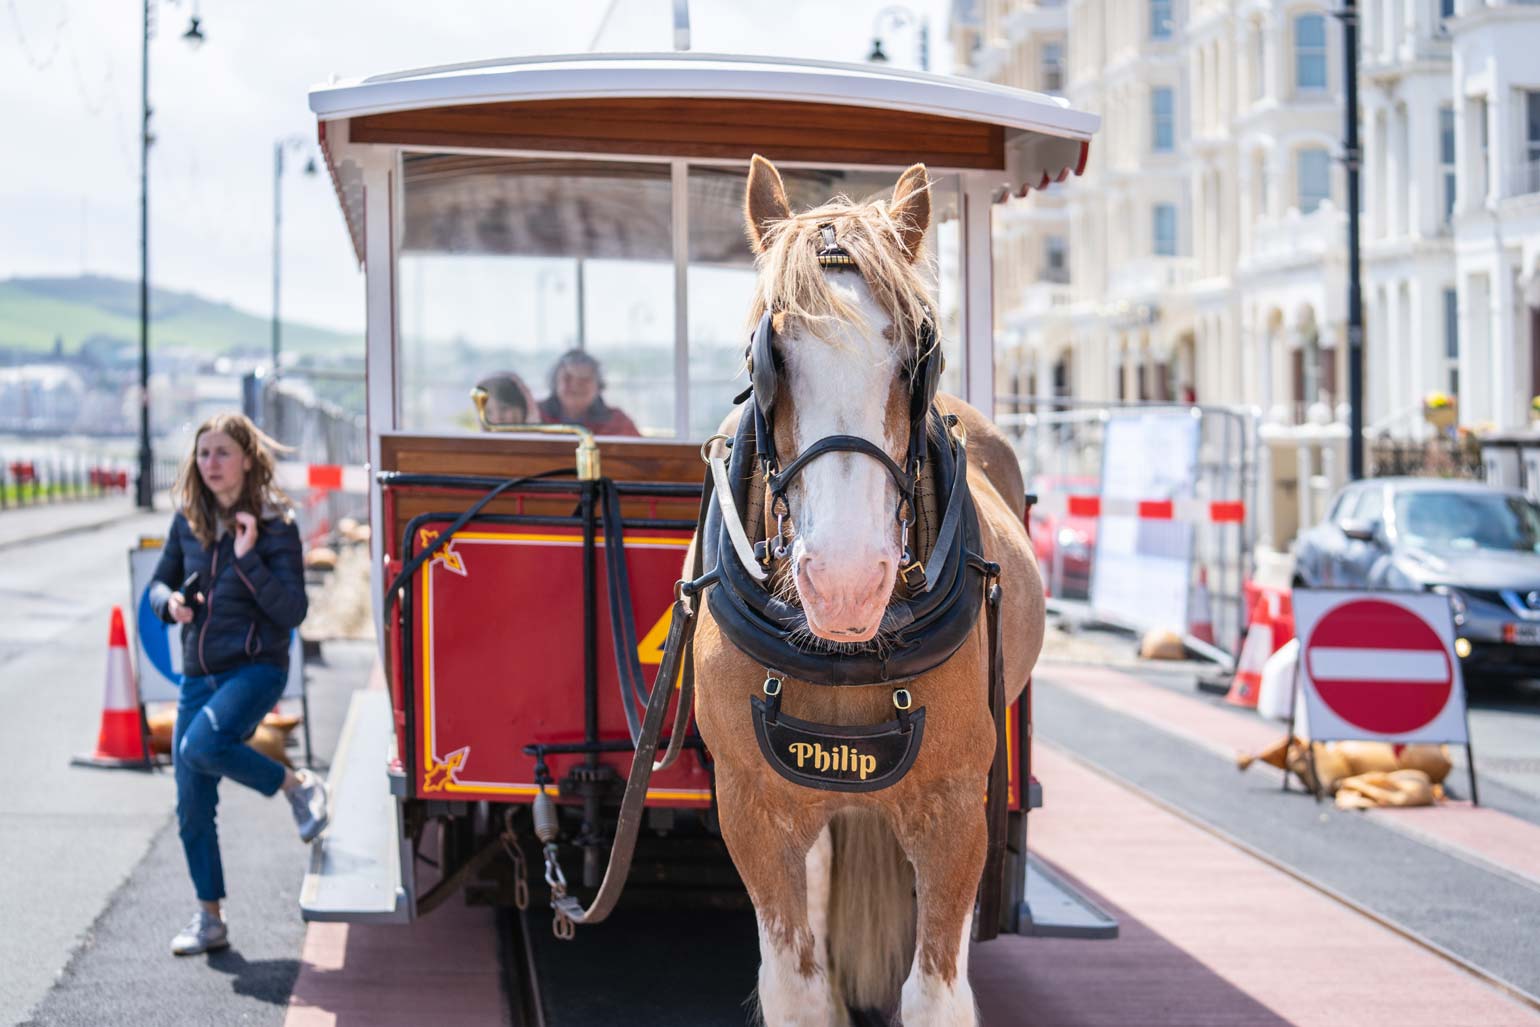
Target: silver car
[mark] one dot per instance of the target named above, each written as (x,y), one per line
(1476,544)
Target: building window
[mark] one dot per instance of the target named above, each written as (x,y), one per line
(1531,183)
(1055,259)
(1452,339)
(1446,158)
(1310,52)
(1053,67)
(1160,19)
(1164,230)
(1163,120)
(1314,171)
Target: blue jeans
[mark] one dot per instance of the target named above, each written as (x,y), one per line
(214,716)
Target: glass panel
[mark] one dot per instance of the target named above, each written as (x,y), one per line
(1053,67)
(1314,178)
(1162,108)
(1310,52)
(1165,230)
(1370,505)
(721,273)
(1451,324)
(506,263)
(1160,19)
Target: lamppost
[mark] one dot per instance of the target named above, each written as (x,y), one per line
(296,143)
(145,487)
(897,16)
(1351,158)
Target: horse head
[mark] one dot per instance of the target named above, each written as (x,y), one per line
(847,296)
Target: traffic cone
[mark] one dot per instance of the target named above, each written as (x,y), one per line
(120,743)
(1247,684)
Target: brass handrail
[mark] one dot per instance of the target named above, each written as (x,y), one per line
(587,448)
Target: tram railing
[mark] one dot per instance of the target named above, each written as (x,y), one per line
(1209,519)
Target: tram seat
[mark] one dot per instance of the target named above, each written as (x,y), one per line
(355,867)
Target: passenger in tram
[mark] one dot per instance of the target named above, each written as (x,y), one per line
(232,575)
(509,400)
(576,384)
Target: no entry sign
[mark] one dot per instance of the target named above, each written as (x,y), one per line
(1379,665)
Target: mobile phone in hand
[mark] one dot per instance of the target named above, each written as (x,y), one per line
(189,590)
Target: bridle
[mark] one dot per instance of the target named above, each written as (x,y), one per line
(921,629)
(765,368)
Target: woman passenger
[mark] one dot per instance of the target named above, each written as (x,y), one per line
(231,575)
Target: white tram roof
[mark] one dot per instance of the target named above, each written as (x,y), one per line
(708,107)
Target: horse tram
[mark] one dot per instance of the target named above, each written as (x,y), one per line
(801,743)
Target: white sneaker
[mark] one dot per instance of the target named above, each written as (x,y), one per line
(203,933)
(308,803)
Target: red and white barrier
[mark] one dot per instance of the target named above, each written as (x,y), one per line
(323,477)
(1198,511)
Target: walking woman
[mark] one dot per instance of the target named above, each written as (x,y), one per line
(231,575)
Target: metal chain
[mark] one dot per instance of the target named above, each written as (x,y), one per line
(561,925)
(520,868)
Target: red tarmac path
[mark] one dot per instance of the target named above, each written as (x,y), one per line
(1209,934)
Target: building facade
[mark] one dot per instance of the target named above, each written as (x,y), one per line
(1202,255)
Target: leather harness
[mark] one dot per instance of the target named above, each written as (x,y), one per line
(925,628)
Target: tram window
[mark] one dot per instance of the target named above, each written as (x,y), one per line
(721,272)
(506,263)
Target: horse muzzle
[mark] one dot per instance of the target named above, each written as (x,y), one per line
(844,598)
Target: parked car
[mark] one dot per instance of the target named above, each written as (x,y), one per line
(1069,540)
(1476,544)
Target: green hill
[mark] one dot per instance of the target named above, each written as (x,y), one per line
(35,312)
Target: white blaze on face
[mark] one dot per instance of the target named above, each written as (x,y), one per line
(844,504)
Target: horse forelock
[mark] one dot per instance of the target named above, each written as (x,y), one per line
(794,285)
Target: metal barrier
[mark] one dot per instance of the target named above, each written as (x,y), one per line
(1061,446)
(317,433)
(33,474)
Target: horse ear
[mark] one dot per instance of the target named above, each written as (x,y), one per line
(911,209)
(764,201)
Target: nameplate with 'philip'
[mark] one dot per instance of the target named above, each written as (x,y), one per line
(835,757)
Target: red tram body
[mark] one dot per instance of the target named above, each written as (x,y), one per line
(488,203)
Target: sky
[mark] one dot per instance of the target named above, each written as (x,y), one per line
(69,110)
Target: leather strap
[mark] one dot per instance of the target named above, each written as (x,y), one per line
(840,444)
(986,922)
(633,805)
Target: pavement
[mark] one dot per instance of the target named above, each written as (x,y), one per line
(95,884)
(1239,904)
(43,521)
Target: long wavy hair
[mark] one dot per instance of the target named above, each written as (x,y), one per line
(260,494)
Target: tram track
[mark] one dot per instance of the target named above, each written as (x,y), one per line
(1495,981)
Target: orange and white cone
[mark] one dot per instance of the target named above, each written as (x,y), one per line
(120,743)
(1247,685)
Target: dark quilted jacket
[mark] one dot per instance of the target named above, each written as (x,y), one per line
(251,605)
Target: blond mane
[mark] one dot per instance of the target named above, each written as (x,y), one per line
(792,282)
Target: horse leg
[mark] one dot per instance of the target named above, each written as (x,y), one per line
(787,876)
(948,857)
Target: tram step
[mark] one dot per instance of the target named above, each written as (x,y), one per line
(1055,908)
(355,867)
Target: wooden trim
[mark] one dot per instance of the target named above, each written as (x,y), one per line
(697,127)
(504,457)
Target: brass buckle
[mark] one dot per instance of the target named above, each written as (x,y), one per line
(912,567)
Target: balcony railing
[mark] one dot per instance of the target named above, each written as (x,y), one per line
(1151,275)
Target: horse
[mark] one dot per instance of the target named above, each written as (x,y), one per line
(864,898)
